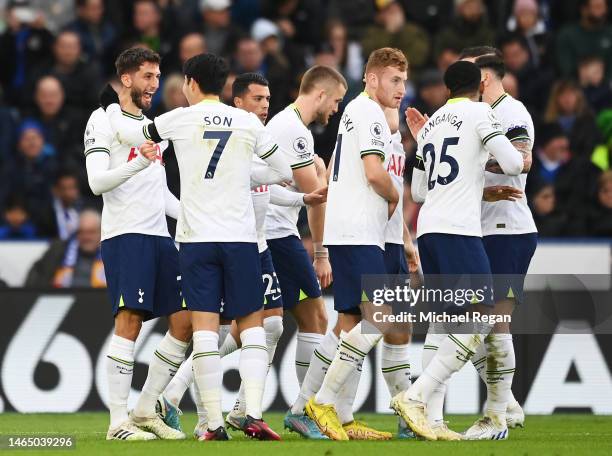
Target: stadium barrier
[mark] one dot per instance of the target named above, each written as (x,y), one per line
(53,345)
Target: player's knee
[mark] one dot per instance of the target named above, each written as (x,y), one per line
(274,328)
(397,337)
(128,324)
(179,325)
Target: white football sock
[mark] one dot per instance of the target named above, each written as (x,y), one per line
(351,352)
(435,404)
(273,327)
(229,346)
(306,344)
(395,367)
(208,374)
(224,330)
(181,382)
(119,370)
(347,394)
(451,356)
(319,363)
(253,368)
(500,371)
(165,363)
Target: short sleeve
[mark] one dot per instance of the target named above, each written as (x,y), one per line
(371,133)
(296,145)
(168,124)
(487,125)
(98,135)
(265,144)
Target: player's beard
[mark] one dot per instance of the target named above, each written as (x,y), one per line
(322,118)
(136,95)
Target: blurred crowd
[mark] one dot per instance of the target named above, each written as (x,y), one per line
(57,54)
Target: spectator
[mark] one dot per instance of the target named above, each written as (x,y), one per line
(8,127)
(602,154)
(98,35)
(56,13)
(468,29)
(226,93)
(596,89)
(348,53)
(299,21)
(392,30)
(147,27)
(574,178)
(81,81)
(25,43)
(62,126)
(30,171)
(599,220)
(72,263)
(60,218)
(221,35)
(250,58)
(18,226)
(446,58)
(356,14)
(533,83)
(431,92)
(526,22)
(431,14)
(568,108)
(591,36)
(548,219)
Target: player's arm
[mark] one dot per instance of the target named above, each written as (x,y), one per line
(266,148)
(280,196)
(97,140)
(171,203)
(498,145)
(418,186)
(264,174)
(307,180)
(519,137)
(410,251)
(379,179)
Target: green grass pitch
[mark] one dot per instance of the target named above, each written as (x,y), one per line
(544,435)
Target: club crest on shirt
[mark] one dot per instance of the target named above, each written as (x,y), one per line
(376,129)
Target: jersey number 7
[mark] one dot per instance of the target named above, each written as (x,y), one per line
(223,137)
(444,158)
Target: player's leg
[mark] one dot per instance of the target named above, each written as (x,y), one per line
(456,255)
(510,256)
(395,362)
(244,293)
(301,296)
(349,264)
(170,352)
(202,282)
(129,314)
(273,327)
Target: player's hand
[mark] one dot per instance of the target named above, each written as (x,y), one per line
(319,196)
(501,193)
(413,257)
(108,96)
(415,120)
(323,270)
(320,166)
(148,150)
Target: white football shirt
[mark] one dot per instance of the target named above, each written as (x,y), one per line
(355,213)
(214,146)
(137,205)
(395,161)
(509,217)
(296,143)
(452,147)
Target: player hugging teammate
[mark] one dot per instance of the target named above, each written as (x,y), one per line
(241,262)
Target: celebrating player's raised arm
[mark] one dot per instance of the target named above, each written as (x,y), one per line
(498,145)
(98,138)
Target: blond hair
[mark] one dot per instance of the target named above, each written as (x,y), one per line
(320,75)
(386,57)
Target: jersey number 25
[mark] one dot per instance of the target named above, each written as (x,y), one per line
(444,158)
